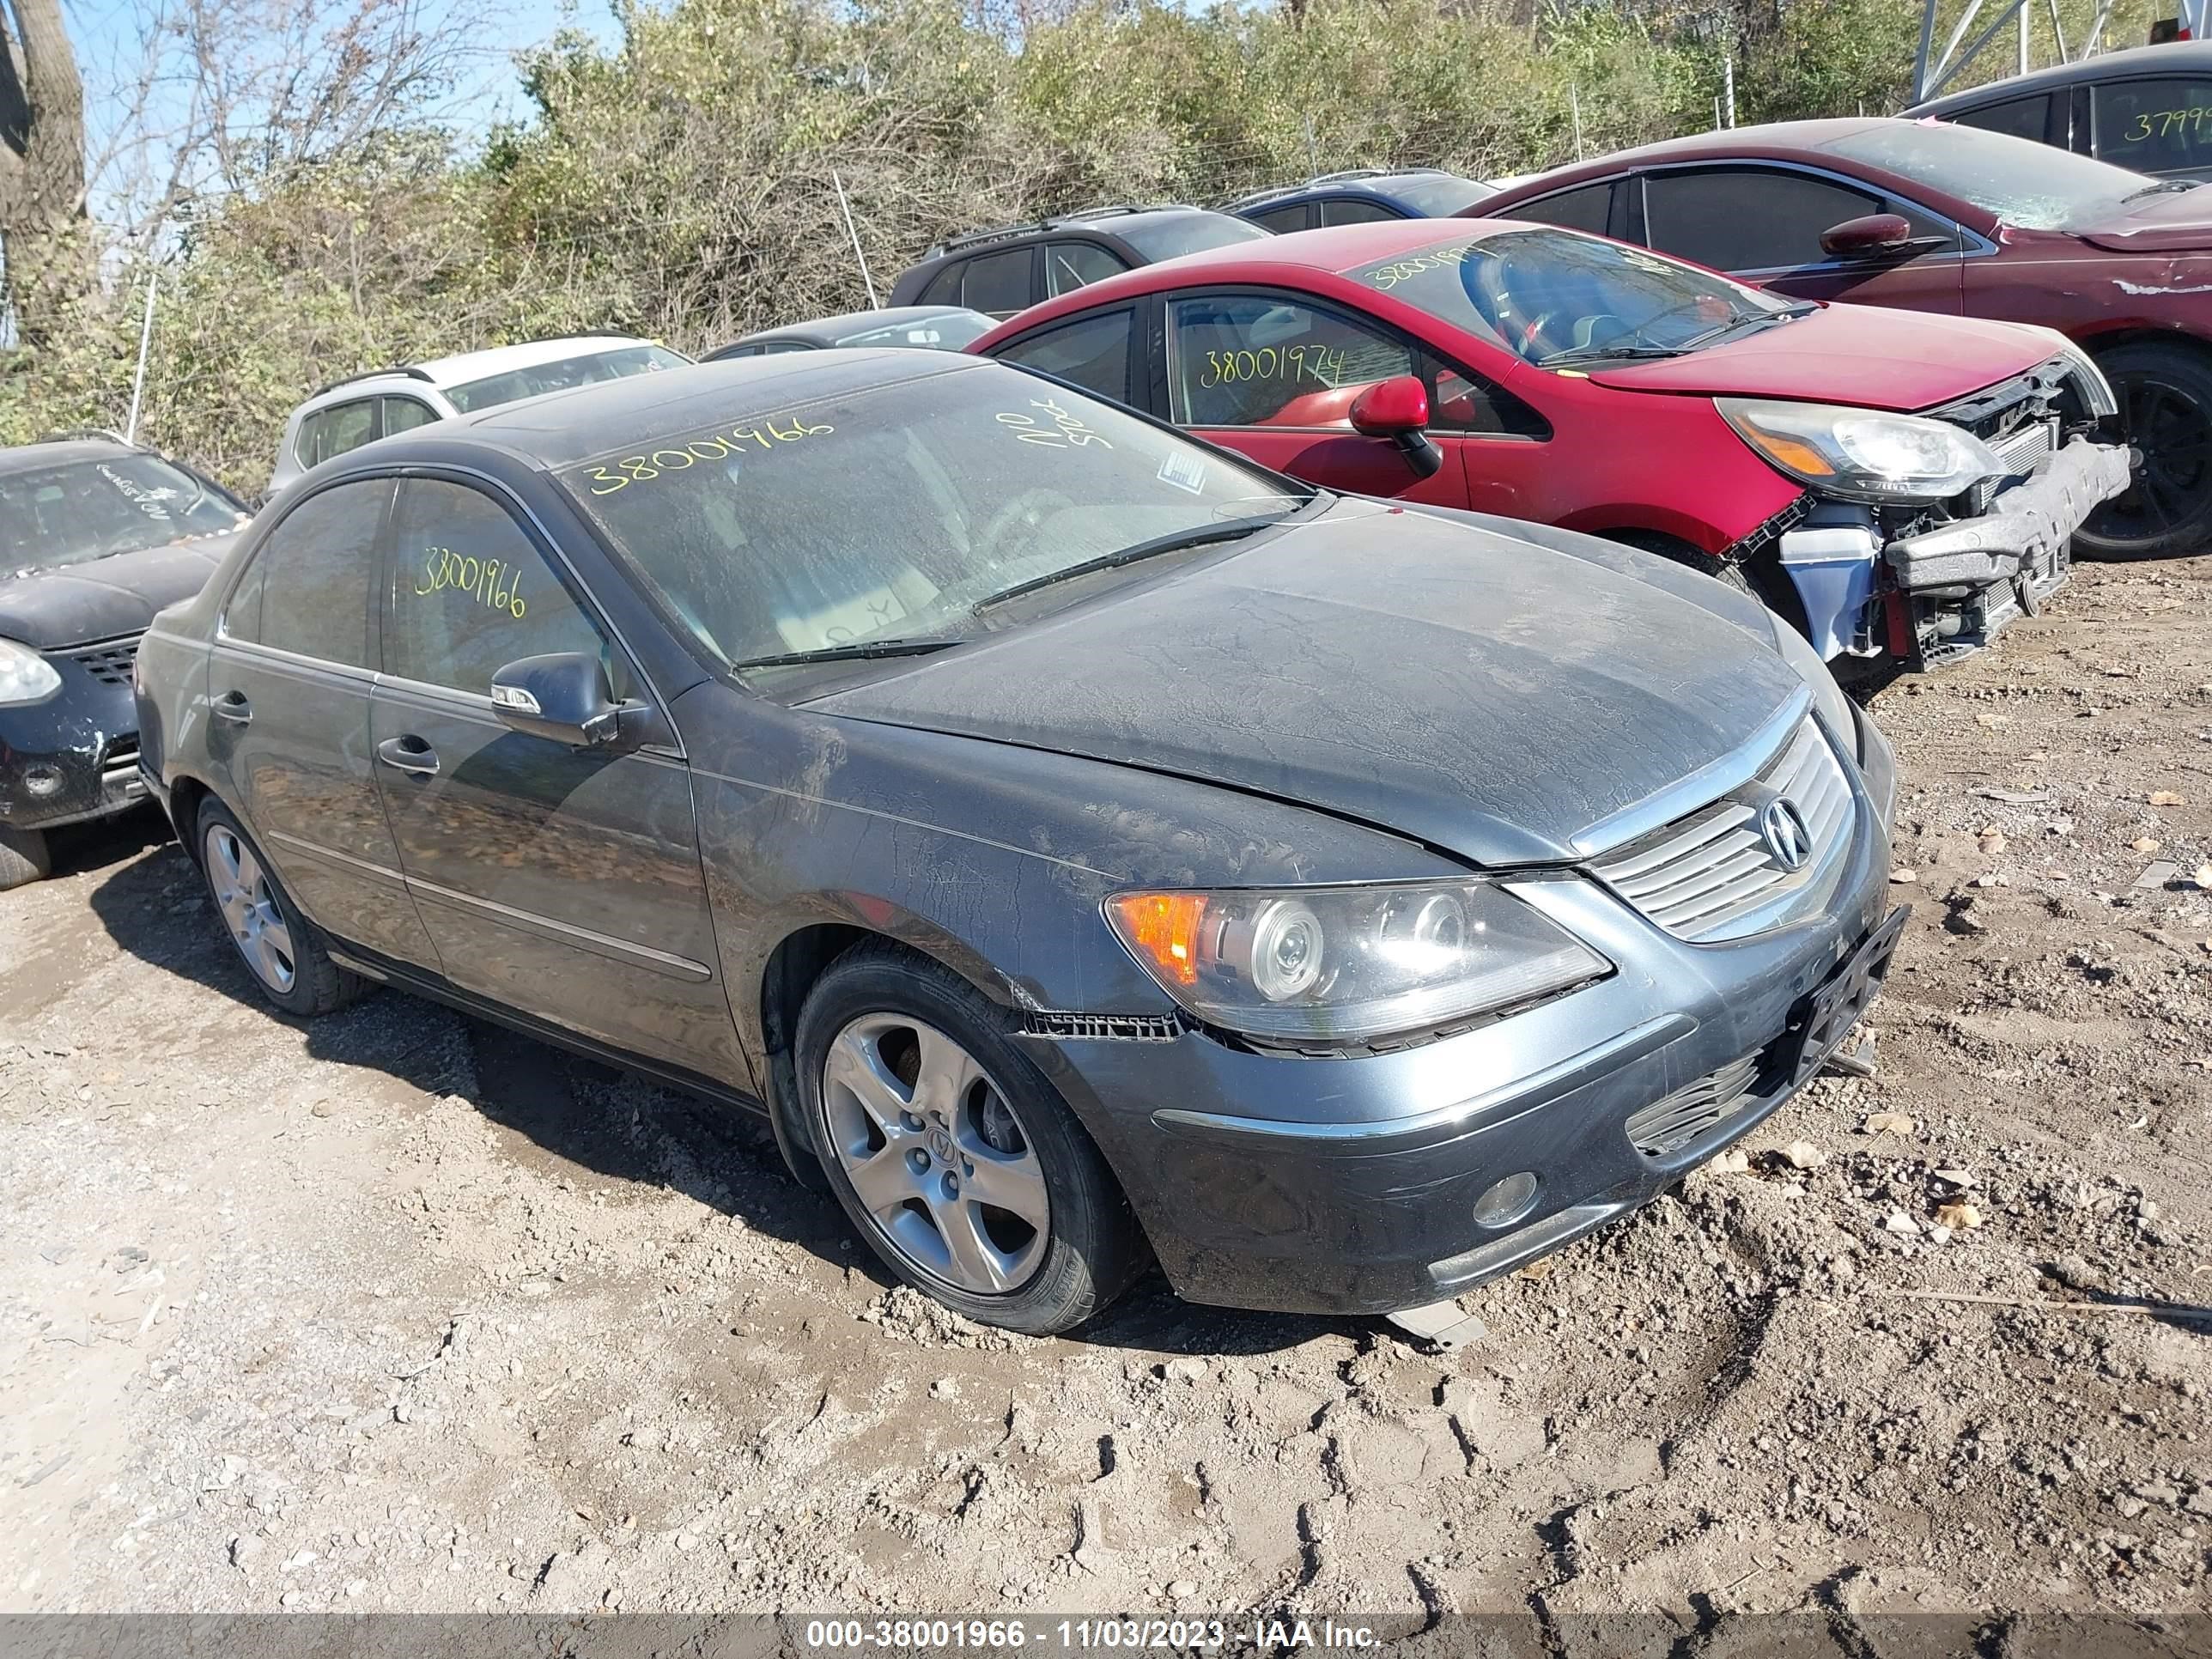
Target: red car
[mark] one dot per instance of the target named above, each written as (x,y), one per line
(1950,219)
(1898,486)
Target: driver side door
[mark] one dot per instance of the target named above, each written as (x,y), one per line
(562,882)
(1763,225)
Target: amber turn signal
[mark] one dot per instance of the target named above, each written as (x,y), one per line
(1165,927)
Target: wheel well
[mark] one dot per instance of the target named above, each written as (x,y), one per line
(2166,338)
(186,796)
(793,966)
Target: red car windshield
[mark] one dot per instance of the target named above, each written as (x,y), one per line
(1552,296)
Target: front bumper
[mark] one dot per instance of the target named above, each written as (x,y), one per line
(74,756)
(1978,574)
(1349,1184)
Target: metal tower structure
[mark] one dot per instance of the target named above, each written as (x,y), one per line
(1933,71)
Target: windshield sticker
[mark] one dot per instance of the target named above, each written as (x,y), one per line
(733,445)
(1388,275)
(147,501)
(1324,364)
(1066,430)
(1185,471)
(490,582)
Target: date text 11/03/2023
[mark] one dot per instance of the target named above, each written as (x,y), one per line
(947,1635)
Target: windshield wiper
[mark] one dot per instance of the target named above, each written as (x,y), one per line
(2164,186)
(858,653)
(1719,332)
(1228,529)
(1606,354)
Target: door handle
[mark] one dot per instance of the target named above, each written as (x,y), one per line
(409,753)
(232,705)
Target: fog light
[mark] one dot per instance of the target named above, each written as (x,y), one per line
(43,781)
(1506,1201)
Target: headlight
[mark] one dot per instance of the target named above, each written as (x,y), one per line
(24,676)
(1861,454)
(1828,696)
(1332,963)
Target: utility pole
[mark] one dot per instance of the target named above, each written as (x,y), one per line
(145,339)
(1727,83)
(853,231)
(1575,109)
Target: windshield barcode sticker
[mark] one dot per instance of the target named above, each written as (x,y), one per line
(1185,471)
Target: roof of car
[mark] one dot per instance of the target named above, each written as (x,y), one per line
(1369,181)
(1107,220)
(2176,57)
(60,451)
(1771,138)
(466,366)
(826,331)
(560,427)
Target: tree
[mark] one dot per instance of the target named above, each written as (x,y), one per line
(48,266)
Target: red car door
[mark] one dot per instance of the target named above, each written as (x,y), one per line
(1762,223)
(1273,374)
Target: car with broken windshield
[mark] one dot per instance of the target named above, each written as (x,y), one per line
(1900,488)
(96,534)
(1086,846)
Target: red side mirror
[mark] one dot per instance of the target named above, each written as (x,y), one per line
(1864,238)
(1391,408)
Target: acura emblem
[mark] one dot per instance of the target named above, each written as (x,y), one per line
(1783,828)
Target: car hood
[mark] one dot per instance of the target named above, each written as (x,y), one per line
(1480,693)
(1869,358)
(103,599)
(2173,221)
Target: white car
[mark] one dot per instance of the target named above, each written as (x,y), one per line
(348,413)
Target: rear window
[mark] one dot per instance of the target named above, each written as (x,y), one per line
(1171,236)
(585,369)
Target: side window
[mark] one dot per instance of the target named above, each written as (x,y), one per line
(402,413)
(729,352)
(2154,127)
(2016,117)
(1747,218)
(1282,220)
(307,589)
(333,431)
(777,348)
(998,283)
(943,289)
(468,594)
(1091,351)
(1350,210)
(1071,265)
(1586,208)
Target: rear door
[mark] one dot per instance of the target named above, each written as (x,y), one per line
(1273,374)
(2159,124)
(289,683)
(1763,224)
(561,882)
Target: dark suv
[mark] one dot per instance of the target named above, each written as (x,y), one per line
(1361,196)
(2142,109)
(1001,271)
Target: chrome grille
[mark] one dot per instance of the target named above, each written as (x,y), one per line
(109,662)
(1713,875)
(1669,1124)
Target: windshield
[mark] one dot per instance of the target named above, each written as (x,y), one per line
(1439,197)
(1172,235)
(2018,180)
(77,511)
(892,512)
(1549,294)
(559,375)
(948,333)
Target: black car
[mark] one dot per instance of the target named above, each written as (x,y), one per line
(1360,197)
(1009,269)
(1083,844)
(2149,109)
(96,536)
(922,328)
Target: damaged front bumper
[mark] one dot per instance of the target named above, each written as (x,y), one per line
(73,755)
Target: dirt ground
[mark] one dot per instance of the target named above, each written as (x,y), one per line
(398,1310)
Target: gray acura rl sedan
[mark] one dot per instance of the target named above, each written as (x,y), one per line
(1086,846)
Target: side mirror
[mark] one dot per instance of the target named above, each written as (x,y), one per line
(564,696)
(1398,409)
(1874,236)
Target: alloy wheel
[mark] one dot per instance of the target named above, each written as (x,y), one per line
(2173,431)
(250,907)
(936,1154)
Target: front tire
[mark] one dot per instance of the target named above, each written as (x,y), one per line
(23,858)
(952,1154)
(2165,394)
(280,948)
